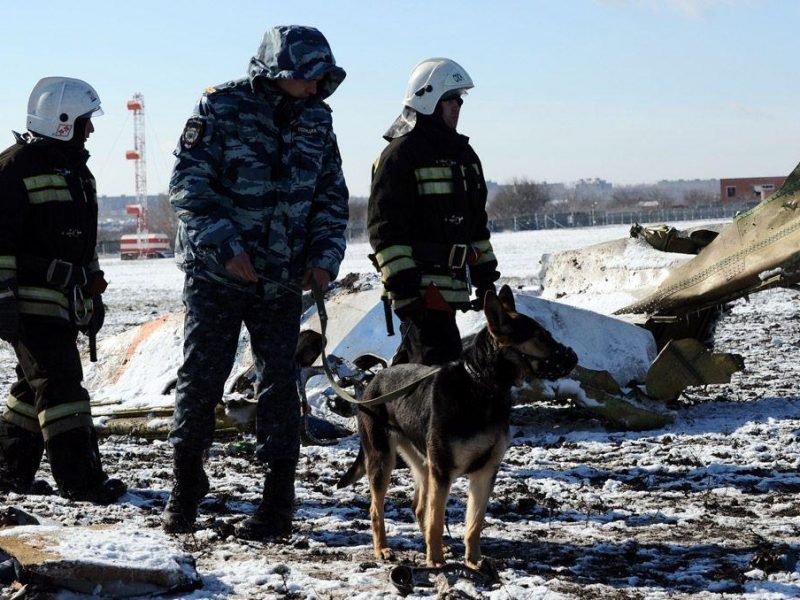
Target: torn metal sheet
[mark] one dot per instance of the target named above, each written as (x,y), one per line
(103,561)
(684,363)
(758,250)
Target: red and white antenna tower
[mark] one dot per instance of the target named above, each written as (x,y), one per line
(138,155)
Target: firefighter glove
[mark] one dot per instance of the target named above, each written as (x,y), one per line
(97,319)
(480,295)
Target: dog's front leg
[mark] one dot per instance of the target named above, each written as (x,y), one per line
(379,484)
(480,488)
(438,491)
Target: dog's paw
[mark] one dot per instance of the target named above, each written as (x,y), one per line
(384,554)
(435,559)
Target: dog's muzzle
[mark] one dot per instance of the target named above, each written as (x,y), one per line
(559,364)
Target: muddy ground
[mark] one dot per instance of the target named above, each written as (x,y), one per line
(706,508)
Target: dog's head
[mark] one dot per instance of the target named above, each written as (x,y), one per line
(523,342)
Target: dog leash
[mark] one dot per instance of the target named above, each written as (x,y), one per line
(406,577)
(338,390)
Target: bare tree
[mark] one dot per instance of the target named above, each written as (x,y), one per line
(161,216)
(700,198)
(522,197)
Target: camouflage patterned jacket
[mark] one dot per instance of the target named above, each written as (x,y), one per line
(260,171)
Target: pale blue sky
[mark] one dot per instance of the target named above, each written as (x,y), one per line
(627,90)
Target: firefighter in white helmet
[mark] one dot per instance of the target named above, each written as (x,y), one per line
(427,216)
(50,289)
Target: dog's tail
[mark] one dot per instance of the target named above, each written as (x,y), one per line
(356,471)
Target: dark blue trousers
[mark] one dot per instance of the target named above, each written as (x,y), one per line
(214,317)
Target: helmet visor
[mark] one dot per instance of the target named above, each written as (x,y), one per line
(97,112)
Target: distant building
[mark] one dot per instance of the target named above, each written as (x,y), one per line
(748,189)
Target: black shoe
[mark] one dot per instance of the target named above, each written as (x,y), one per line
(262,526)
(37,487)
(77,468)
(273,517)
(105,492)
(191,484)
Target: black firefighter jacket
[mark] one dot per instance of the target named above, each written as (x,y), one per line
(48,229)
(427,217)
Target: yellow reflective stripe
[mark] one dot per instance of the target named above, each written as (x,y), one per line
(21,408)
(49,196)
(476,168)
(443,282)
(8,262)
(28,424)
(43,310)
(392,252)
(455,295)
(485,258)
(435,187)
(394,267)
(433,173)
(6,294)
(38,182)
(43,294)
(48,415)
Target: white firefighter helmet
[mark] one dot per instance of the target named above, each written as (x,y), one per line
(56,102)
(431,79)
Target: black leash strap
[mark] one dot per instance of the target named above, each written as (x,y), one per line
(341,392)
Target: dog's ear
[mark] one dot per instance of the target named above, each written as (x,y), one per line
(495,315)
(506,297)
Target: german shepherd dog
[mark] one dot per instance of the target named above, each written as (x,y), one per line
(453,423)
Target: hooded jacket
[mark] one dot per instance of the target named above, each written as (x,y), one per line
(260,171)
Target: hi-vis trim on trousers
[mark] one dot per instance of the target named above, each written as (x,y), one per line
(21,414)
(65,417)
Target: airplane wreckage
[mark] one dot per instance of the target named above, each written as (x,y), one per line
(634,360)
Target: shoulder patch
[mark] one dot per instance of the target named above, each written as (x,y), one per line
(210,90)
(192,133)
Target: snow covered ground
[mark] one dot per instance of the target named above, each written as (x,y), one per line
(704,508)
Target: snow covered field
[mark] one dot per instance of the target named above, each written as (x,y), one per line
(704,508)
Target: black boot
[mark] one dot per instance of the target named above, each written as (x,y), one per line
(191,484)
(20,454)
(273,517)
(75,461)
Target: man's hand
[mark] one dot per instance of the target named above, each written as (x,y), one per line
(322,277)
(240,266)
(98,317)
